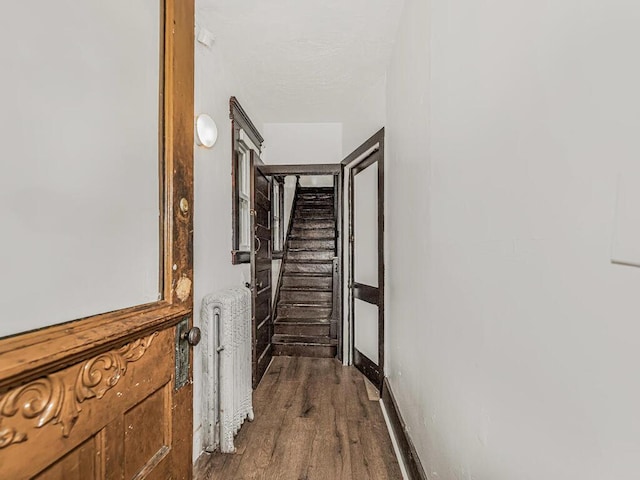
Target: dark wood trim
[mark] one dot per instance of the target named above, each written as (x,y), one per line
(338,289)
(405,445)
(303,169)
(381,249)
(366,293)
(368,367)
(238,115)
(367,162)
(274,305)
(350,254)
(239,121)
(367,145)
(278,254)
(376,155)
(240,256)
(178,158)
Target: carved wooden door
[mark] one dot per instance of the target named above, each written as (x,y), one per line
(110,396)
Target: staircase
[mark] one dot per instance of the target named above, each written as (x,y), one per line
(304,308)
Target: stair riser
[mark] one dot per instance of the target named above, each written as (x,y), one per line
(311,231)
(305,297)
(314,222)
(308,268)
(317,351)
(314,195)
(323,330)
(314,210)
(317,255)
(303,312)
(313,244)
(315,282)
(315,203)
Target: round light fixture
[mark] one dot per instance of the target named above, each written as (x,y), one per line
(206,131)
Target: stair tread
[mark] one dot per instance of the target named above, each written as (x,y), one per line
(309,262)
(306,289)
(302,321)
(295,303)
(308,274)
(309,249)
(303,340)
(321,239)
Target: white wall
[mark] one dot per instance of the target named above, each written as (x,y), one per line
(366,115)
(213,271)
(304,143)
(513,338)
(79,197)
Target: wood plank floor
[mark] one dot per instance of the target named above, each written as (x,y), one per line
(314,420)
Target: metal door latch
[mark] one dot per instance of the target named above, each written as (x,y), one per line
(185,338)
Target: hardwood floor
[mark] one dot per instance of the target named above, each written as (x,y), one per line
(314,420)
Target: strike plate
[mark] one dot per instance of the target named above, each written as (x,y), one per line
(182,353)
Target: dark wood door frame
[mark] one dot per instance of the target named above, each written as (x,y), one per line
(370,152)
(335,170)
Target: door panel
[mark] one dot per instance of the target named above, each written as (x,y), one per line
(261,253)
(98,397)
(366,226)
(366,329)
(366,256)
(112,415)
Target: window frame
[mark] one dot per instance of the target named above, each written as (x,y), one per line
(244,137)
(277,217)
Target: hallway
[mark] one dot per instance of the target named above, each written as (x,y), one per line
(314,420)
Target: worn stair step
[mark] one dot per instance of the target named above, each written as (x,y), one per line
(305,339)
(315,202)
(312,289)
(305,350)
(328,209)
(305,296)
(309,274)
(308,267)
(316,190)
(313,223)
(305,303)
(308,234)
(325,226)
(308,321)
(302,328)
(305,219)
(310,255)
(303,311)
(315,199)
(320,244)
(303,281)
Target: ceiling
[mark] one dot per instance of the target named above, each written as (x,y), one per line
(303,60)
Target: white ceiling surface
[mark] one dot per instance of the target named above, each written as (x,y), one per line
(303,60)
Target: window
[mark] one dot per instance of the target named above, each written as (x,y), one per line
(277,224)
(245,138)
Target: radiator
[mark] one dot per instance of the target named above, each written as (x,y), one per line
(227,394)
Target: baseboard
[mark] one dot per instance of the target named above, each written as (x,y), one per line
(407,450)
